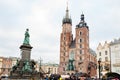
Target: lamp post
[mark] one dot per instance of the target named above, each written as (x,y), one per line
(40,64)
(99,61)
(40,68)
(110,59)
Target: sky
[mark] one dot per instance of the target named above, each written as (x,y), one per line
(44,20)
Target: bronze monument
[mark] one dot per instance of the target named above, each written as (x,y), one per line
(25,67)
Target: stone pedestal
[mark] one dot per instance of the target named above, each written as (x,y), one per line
(25,67)
(20,72)
(25,52)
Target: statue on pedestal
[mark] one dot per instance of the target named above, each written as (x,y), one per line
(25,67)
(26,39)
(70,65)
(70,62)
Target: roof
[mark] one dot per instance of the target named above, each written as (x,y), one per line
(72,44)
(116,41)
(50,64)
(92,52)
(67,19)
(82,23)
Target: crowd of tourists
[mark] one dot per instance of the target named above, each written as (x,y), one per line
(74,77)
(65,77)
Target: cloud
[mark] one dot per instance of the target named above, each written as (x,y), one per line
(43,35)
(44,18)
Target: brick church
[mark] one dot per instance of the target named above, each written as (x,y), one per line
(75,53)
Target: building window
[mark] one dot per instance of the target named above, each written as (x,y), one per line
(80,45)
(80,58)
(63,59)
(63,69)
(99,53)
(64,43)
(106,58)
(71,55)
(80,40)
(105,52)
(64,53)
(4,66)
(80,51)
(55,70)
(80,33)
(64,48)
(64,38)
(100,59)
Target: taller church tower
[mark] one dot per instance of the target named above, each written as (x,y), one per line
(65,41)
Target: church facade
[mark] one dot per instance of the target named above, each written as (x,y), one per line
(75,53)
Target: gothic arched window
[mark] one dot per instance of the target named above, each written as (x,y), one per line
(80,40)
(80,51)
(71,55)
(80,33)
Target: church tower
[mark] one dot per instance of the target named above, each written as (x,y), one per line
(65,41)
(82,45)
(75,54)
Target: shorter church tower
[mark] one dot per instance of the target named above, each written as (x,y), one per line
(82,45)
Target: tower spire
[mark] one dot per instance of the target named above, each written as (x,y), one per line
(82,22)
(82,17)
(67,18)
(67,11)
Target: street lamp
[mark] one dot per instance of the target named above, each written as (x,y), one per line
(40,68)
(99,61)
(40,64)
